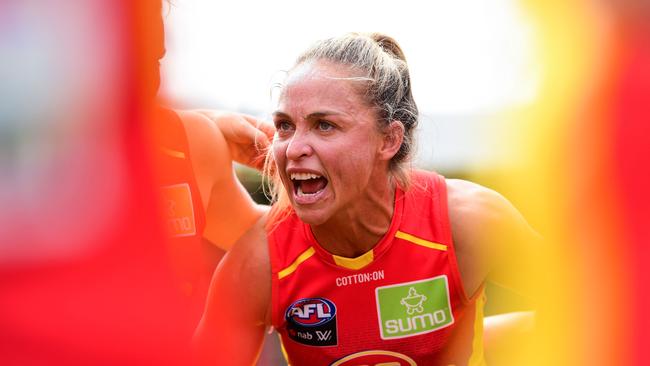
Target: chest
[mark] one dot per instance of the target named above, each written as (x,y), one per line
(405,303)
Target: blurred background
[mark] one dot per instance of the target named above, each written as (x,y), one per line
(469,61)
(543,101)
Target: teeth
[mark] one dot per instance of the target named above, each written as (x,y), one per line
(303,176)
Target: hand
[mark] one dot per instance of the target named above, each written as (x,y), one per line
(248,137)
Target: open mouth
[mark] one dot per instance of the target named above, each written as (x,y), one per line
(307,184)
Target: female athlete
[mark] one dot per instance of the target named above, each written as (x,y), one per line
(362,259)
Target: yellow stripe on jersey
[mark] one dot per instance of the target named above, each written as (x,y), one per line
(418,241)
(354,263)
(173,153)
(301,258)
(284,350)
(477,358)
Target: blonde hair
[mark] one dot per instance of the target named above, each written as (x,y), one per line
(387,88)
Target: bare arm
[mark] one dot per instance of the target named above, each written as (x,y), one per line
(237,312)
(508,338)
(247,137)
(493,241)
(230,211)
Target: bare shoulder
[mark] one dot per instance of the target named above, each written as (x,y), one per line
(252,249)
(248,264)
(475,204)
(244,273)
(208,152)
(198,126)
(237,311)
(229,209)
(207,144)
(486,228)
(481,208)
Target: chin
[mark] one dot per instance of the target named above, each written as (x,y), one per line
(310,216)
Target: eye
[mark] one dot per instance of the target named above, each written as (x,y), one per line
(324,125)
(283,126)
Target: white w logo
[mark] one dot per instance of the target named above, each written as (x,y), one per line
(324,336)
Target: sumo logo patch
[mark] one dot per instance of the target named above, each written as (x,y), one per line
(413,308)
(179,210)
(312,321)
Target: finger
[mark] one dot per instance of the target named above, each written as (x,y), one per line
(249,134)
(266,127)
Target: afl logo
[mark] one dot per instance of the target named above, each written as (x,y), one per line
(312,321)
(375,358)
(311,312)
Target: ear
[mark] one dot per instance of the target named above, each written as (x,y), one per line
(392,140)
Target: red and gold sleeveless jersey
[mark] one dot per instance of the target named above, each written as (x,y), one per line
(401,303)
(191,258)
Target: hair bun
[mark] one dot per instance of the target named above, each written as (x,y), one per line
(389,45)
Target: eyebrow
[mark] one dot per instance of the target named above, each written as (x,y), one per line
(314,115)
(281,115)
(317,115)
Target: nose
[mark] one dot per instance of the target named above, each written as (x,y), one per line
(299,146)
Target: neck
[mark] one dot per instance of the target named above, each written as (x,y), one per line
(360,226)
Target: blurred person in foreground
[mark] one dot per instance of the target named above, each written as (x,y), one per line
(205,207)
(362,259)
(91,275)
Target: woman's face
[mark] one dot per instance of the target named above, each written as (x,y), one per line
(327,141)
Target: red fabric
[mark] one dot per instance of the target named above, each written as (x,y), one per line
(111,300)
(422,212)
(189,255)
(631,130)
